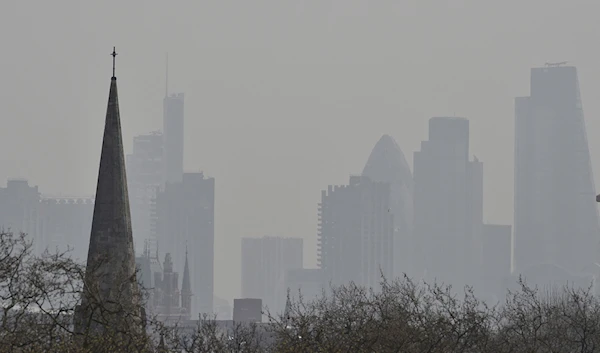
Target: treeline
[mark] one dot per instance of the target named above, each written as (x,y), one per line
(39,295)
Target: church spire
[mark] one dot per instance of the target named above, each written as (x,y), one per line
(111,261)
(186,286)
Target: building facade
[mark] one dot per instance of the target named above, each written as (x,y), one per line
(497,255)
(65,223)
(20,212)
(145,176)
(556,217)
(448,203)
(184,221)
(387,164)
(173,120)
(307,282)
(356,233)
(265,262)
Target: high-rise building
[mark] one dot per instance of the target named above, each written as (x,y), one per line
(20,212)
(145,175)
(356,233)
(111,259)
(497,250)
(556,218)
(184,221)
(387,164)
(264,265)
(448,203)
(173,121)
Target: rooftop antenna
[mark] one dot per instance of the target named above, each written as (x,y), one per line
(556,64)
(114,55)
(167,76)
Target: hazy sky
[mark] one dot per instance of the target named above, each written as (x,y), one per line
(283,97)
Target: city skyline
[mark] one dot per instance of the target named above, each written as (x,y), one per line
(246,92)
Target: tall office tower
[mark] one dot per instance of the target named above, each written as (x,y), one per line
(145,170)
(173,137)
(475,242)
(111,260)
(184,221)
(65,223)
(19,212)
(387,164)
(556,219)
(264,265)
(356,233)
(497,250)
(447,204)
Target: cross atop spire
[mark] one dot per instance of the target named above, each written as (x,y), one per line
(114,55)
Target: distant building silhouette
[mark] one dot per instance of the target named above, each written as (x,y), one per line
(53,223)
(173,120)
(497,249)
(448,203)
(356,235)
(20,212)
(65,223)
(167,305)
(247,310)
(186,287)
(556,217)
(184,219)
(264,265)
(145,175)
(305,281)
(387,164)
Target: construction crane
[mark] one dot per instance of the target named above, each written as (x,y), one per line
(556,64)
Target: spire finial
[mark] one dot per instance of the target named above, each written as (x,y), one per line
(167,76)
(114,55)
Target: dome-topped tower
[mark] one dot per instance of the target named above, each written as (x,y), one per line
(387,164)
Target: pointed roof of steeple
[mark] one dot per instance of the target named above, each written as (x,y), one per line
(186,286)
(111,240)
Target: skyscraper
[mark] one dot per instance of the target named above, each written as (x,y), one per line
(173,137)
(184,219)
(264,265)
(111,260)
(387,164)
(356,233)
(497,249)
(447,204)
(556,219)
(145,171)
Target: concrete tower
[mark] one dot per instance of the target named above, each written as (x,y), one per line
(110,281)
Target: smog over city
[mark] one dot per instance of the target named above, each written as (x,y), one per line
(256,150)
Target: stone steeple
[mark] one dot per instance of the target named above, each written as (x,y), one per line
(110,273)
(186,287)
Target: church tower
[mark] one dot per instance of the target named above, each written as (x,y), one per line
(186,287)
(110,280)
